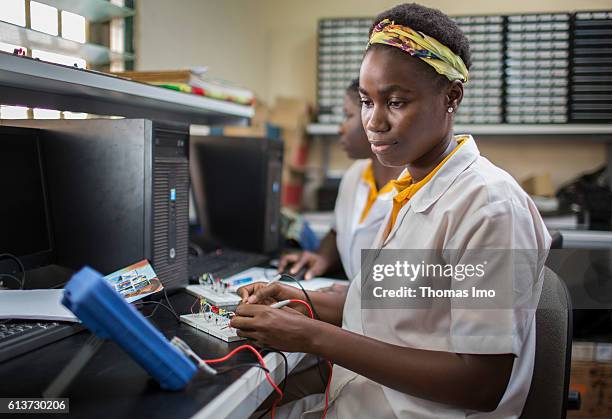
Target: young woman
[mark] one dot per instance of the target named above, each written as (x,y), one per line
(362,204)
(439,362)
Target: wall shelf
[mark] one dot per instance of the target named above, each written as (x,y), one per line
(33,83)
(601,133)
(502,129)
(92,10)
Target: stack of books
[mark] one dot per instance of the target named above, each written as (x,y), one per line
(193,82)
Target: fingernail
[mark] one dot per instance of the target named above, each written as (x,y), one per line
(252,299)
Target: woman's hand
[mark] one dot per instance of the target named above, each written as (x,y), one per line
(265,293)
(283,329)
(316,264)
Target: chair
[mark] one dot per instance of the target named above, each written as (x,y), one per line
(548,394)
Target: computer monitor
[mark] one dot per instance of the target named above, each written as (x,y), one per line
(25,222)
(236,191)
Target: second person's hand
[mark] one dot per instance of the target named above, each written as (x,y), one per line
(316,264)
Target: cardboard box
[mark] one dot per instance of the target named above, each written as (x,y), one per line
(262,114)
(290,113)
(539,185)
(594,382)
(241,131)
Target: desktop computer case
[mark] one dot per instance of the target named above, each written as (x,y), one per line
(119,193)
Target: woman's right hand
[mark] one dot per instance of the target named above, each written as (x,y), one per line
(316,264)
(265,293)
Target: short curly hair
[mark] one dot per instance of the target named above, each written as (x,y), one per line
(353,90)
(431,22)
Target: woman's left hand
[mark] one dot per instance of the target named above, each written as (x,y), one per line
(284,329)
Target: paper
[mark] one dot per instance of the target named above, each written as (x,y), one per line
(34,305)
(135,281)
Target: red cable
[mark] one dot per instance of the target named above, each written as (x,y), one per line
(263,364)
(295,300)
(331,368)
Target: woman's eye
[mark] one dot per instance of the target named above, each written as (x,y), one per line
(366,103)
(396,104)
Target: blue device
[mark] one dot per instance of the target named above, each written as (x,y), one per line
(105,312)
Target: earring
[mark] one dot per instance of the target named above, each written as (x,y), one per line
(450,109)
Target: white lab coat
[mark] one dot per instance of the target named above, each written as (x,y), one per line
(351,235)
(469,203)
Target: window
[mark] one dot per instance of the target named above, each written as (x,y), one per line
(73,27)
(43,18)
(40,113)
(13,11)
(13,112)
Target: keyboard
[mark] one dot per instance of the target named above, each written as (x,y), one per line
(223,263)
(20,336)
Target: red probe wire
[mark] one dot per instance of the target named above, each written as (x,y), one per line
(331,368)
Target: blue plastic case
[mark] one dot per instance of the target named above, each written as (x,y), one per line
(109,316)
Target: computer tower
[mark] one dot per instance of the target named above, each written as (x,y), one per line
(119,193)
(236,185)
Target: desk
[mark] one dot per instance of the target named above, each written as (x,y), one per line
(113,385)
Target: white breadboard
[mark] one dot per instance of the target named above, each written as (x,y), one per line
(228,300)
(219,330)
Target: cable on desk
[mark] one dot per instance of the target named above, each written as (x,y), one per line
(159,304)
(13,277)
(284,382)
(19,264)
(246,364)
(169,303)
(261,361)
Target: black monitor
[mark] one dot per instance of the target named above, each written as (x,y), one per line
(25,227)
(236,191)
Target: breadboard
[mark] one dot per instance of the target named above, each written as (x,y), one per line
(228,300)
(218,330)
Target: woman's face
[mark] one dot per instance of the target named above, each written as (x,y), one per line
(404,105)
(353,138)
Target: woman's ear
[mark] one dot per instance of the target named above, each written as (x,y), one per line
(455,94)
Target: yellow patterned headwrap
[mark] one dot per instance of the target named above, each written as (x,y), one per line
(419,45)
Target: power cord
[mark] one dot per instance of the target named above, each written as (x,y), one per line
(159,304)
(9,276)
(21,268)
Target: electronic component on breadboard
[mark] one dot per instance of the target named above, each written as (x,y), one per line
(226,300)
(201,322)
(212,320)
(217,291)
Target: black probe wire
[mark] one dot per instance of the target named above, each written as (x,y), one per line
(316,316)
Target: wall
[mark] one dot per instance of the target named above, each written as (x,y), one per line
(225,36)
(270,47)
